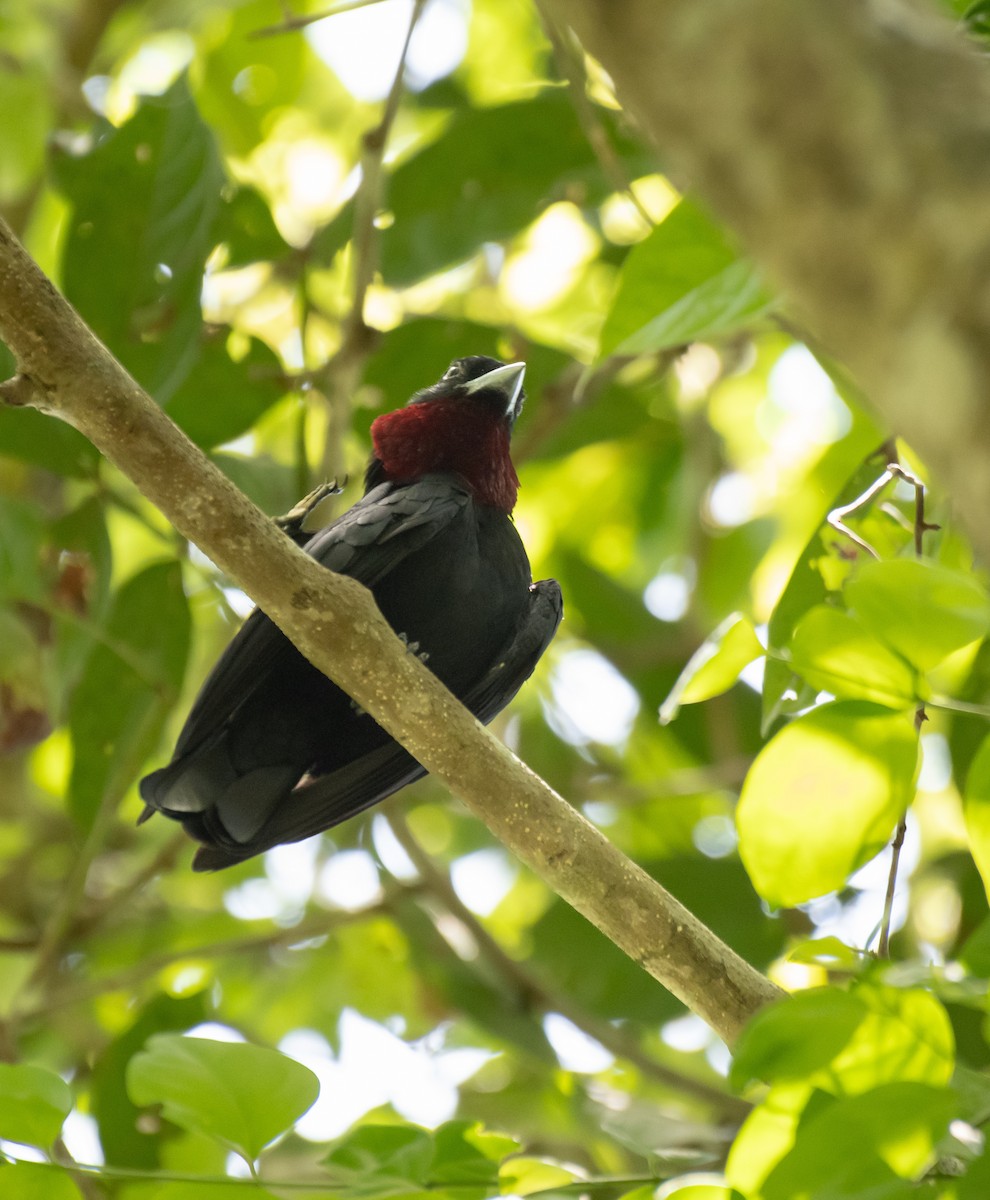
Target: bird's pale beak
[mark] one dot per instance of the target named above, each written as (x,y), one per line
(507,380)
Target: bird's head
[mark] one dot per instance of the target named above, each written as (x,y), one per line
(460,425)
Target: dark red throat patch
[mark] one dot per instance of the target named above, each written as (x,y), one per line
(449,436)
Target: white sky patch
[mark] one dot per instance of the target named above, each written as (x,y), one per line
(291,870)
(213,1031)
(375,1068)
(855,922)
(803,411)
(574,1048)
(362,47)
(482,880)
(314,173)
(689,1034)
(936,763)
(668,594)
(555,249)
(594,703)
(82,1139)
(715,835)
(350,880)
(396,861)
(732,500)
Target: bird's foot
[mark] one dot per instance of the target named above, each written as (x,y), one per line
(292,522)
(413,648)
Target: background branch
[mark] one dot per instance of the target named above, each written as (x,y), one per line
(335,623)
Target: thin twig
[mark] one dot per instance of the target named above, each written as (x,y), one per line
(921,527)
(292,24)
(570,62)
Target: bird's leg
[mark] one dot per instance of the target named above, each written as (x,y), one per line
(292,522)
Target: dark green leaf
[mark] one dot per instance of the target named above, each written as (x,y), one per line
(489,175)
(145,200)
(224,396)
(246,227)
(44,441)
(381,1160)
(129,683)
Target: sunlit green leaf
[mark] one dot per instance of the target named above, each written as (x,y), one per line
(790,1042)
(833,652)
(524,1176)
(243,1095)
(34,1103)
(925,611)
(865,1144)
(823,797)
(715,666)
(976,799)
(685,282)
(31,1181)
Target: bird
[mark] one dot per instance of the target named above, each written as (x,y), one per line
(272,751)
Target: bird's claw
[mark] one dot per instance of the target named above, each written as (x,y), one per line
(413,648)
(292,522)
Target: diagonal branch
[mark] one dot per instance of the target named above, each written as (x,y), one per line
(334,621)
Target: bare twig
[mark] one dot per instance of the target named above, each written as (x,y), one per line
(292,23)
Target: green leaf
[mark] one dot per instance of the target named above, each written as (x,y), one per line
(865,1145)
(145,200)
(488,176)
(21,536)
(34,1103)
(128,685)
(923,610)
(225,396)
(45,441)
(976,802)
(381,1160)
(524,1176)
(31,1181)
(235,1190)
(464,1152)
(715,666)
(684,282)
(823,796)
(913,1033)
(834,653)
(246,227)
(828,951)
(793,1040)
(244,1096)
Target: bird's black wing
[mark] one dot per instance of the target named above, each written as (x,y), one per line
(335,797)
(366,542)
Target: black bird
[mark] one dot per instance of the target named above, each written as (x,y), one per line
(272,751)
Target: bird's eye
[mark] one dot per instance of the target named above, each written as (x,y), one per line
(454,371)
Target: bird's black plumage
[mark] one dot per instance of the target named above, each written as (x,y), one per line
(272,751)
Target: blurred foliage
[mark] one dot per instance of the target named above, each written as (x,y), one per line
(197,190)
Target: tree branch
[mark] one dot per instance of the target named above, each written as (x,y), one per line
(849,145)
(336,624)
